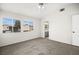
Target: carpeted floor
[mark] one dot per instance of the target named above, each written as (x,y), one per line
(39,46)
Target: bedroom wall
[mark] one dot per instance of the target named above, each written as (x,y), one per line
(11,38)
(60,24)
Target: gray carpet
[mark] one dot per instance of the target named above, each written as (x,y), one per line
(39,46)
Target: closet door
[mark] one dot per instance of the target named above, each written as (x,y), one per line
(75,30)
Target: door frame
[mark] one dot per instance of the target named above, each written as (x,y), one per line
(44,28)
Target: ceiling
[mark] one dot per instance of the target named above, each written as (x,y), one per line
(32,9)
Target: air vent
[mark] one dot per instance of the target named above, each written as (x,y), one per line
(62,9)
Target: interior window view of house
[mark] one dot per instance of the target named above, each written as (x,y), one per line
(39,28)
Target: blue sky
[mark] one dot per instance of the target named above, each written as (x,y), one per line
(0,22)
(29,22)
(8,21)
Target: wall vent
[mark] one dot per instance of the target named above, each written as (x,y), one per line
(62,9)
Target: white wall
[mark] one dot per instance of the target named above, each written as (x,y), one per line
(60,24)
(60,27)
(10,38)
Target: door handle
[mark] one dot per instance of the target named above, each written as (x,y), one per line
(73,31)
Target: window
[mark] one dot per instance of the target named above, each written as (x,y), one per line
(11,25)
(7,25)
(27,25)
(16,26)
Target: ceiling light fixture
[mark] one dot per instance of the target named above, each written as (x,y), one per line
(41,5)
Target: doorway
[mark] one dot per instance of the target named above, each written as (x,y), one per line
(46,29)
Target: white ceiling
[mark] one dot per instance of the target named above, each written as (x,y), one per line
(31,9)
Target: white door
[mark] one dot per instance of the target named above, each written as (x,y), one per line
(75,30)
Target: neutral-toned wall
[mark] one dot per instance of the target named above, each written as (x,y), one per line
(60,24)
(11,38)
(60,27)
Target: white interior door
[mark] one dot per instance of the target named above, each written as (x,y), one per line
(75,30)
